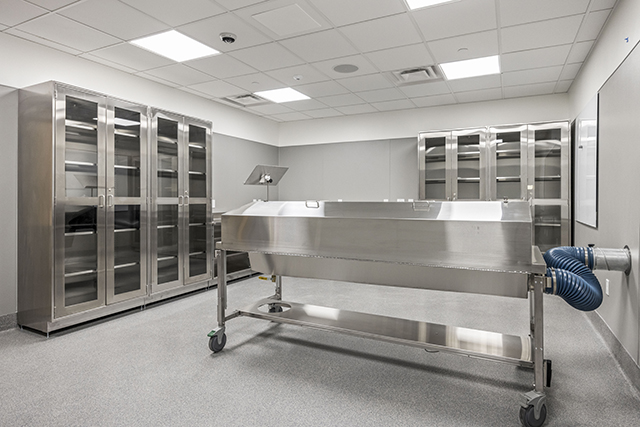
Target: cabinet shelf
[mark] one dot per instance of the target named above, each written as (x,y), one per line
(508,179)
(164,227)
(80,273)
(129,264)
(81,125)
(168,171)
(435,180)
(196,224)
(197,173)
(200,147)
(126,167)
(79,233)
(127,133)
(167,258)
(548,178)
(469,180)
(125,230)
(547,224)
(167,140)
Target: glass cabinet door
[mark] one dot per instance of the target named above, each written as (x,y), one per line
(469,165)
(508,154)
(80,202)
(197,196)
(168,188)
(126,201)
(434,165)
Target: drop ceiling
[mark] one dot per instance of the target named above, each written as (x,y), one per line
(297,43)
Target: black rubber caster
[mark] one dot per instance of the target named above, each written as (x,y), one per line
(214,345)
(528,416)
(273,308)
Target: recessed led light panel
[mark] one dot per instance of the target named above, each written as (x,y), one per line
(174,45)
(471,68)
(419,4)
(282,95)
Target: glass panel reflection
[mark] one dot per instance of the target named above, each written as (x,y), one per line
(508,165)
(81,254)
(548,224)
(167,158)
(197,239)
(167,234)
(197,161)
(127,249)
(548,164)
(127,157)
(468,167)
(81,147)
(435,167)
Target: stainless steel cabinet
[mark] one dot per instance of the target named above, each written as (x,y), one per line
(181,201)
(528,162)
(89,191)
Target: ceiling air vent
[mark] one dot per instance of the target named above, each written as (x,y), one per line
(415,76)
(248,100)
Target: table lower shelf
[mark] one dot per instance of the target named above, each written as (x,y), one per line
(495,346)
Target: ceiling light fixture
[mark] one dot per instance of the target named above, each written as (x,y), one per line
(419,4)
(176,46)
(282,95)
(471,68)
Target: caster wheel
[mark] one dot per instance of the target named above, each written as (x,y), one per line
(275,308)
(528,416)
(214,345)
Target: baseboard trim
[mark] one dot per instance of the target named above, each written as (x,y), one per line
(8,321)
(629,366)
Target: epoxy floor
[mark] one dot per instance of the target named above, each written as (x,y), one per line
(154,368)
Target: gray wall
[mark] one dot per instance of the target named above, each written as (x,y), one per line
(619,204)
(9,204)
(364,170)
(233,161)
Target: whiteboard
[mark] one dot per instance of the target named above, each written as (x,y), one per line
(586,164)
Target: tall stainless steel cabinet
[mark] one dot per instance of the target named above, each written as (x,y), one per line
(524,161)
(181,201)
(82,205)
(453,165)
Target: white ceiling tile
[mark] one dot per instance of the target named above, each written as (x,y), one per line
(592,25)
(255,82)
(271,109)
(208,31)
(267,57)
(325,112)
(400,58)
(465,47)
(514,12)
(475,83)
(400,104)
(537,75)
(357,109)
(306,73)
(42,41)
(3,27)
(180,75)
(221,66)
(570,71)
(579,52)
(108,63)
(132,57)
(456,18)
(432,101)
(237,4)
(602,4)
(479,95)
(52,4)
(363,83)
(284,18)
(320,46)
(529,90)
(540,34)
(426,89)
(115,18)
(563,85)
(218,88)
(342,12)
(364,66)
(382,95)
(177,13)
(317,90)
(341,100)
(202,95)
(16,11)
(158,80)
(535,58)
(383,33)
(67,32)
(289,117)
(306,105)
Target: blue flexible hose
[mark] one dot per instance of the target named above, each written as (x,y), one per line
(574,281)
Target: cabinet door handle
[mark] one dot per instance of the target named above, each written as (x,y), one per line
(186,200)
(110,200)
(179,200)
(101,201)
